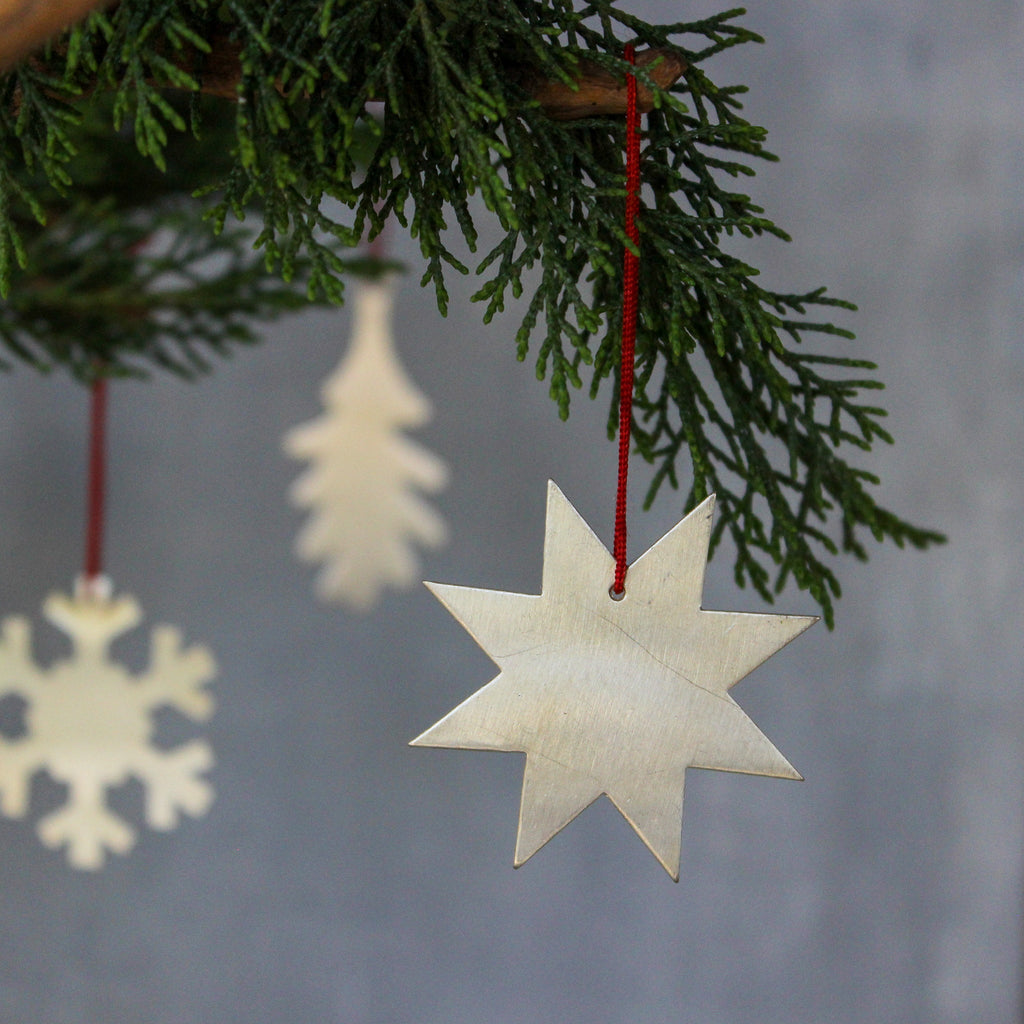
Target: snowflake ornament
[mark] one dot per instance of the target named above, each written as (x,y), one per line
(90,725)
(364,480)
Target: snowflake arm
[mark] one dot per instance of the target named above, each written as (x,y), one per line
(174,782)
(18,675)
(18,759)
(85,826)
(177,676)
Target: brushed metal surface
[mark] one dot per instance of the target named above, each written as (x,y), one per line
(614,697)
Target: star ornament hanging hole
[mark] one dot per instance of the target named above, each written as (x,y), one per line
(614,697)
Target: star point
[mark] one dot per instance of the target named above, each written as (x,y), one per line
(613,697)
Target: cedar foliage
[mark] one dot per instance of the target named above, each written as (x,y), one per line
(727,398)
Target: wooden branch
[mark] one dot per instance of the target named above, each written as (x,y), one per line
(25,25)
(598,92)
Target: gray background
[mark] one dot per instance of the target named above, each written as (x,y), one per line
(343,877)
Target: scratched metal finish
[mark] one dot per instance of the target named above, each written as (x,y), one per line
(614,696)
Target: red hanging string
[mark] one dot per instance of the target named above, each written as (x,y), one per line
(97,481)
(629,308)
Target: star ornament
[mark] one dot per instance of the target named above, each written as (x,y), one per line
(614,696)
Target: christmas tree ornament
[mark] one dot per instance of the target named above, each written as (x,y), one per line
(612,689)
(364,478)
(614,696)
(90,724)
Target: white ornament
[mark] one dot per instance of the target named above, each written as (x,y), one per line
(614,696)
(361,486)
(89,724)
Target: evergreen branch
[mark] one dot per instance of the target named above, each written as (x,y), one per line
(139,298)
(721,382)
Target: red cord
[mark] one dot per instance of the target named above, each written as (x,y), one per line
(629,309)
(97,480)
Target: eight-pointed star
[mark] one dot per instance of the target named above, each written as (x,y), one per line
(615,697)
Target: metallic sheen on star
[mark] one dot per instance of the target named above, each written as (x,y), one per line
(614,697)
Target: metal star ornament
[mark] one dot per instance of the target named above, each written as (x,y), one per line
(614,696)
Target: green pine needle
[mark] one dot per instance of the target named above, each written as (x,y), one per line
(351,113)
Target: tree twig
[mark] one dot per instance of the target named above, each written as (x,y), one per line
(597,91)
(26,24)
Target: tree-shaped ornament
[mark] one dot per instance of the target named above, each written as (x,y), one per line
(363,484)
(608,688)
(89,723)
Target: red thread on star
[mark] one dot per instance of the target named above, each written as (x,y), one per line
(629,311)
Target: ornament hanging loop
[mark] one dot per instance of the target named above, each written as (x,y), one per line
(630,289)
(92,581)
